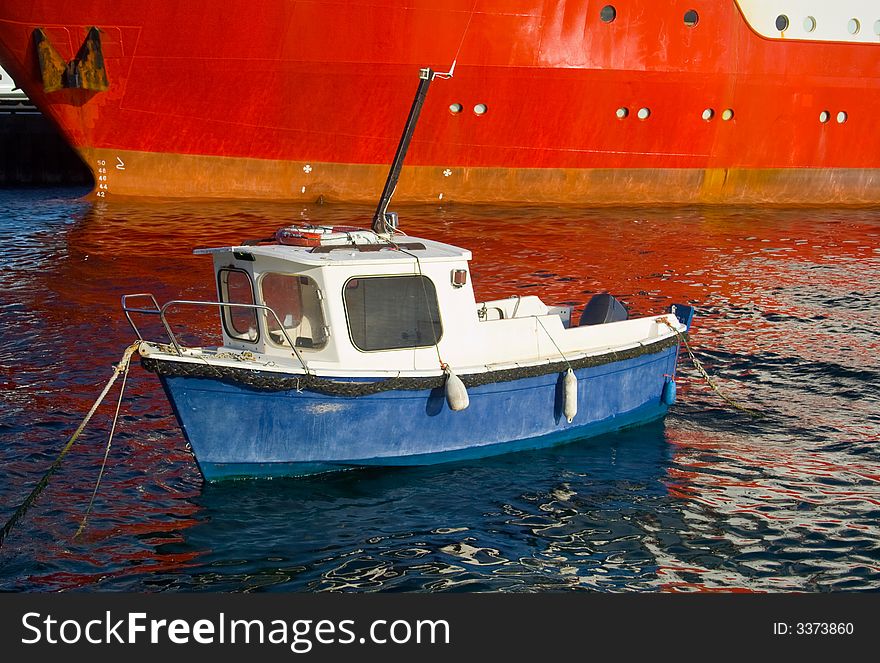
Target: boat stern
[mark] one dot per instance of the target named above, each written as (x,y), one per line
(684,313)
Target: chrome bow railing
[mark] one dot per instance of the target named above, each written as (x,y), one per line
(161,311)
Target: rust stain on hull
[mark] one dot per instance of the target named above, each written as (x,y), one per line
(127,174)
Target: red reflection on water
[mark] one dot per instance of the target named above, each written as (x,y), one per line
(736,266)
(134,565)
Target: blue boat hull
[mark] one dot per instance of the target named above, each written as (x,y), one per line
(239,431)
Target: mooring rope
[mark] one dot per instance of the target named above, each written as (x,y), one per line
(699,366)
(85,518)
(121,367)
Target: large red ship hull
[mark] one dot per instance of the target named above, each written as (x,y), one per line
(306,99)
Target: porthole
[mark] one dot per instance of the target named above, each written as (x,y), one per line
(644,113)
(809,24)
(782,22)
(622,113)
(608,13)
(824,116)
(480,109)
(708,114)
(853,26)
(455,109)
(691,18)
(727,114)
(842,117)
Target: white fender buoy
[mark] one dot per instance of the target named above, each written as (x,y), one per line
(456,393)
(569,395)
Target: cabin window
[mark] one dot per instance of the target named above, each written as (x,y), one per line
(235,288)
(392,312)
(297,302)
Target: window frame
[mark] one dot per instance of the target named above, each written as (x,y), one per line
(391,276)
(320,297)
(226,311)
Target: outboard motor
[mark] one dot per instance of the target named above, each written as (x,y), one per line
(603,308)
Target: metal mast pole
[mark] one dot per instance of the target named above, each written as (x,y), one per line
(383,221)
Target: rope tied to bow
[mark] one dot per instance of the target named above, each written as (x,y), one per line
(699,366)
(118,369)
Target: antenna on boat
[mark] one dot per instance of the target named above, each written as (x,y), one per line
(383,220)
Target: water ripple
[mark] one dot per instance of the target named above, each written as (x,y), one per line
(709,500)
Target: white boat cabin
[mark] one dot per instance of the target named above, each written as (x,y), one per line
(367,305)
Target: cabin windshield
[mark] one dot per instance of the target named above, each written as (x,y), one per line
(297,301)
(240,322)
(392,312)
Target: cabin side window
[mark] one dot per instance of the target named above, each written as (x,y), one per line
(297,302)
(392,312)
(239,322)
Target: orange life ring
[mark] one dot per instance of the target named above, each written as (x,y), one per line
(304,234)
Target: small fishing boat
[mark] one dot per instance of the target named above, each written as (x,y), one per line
(346,347)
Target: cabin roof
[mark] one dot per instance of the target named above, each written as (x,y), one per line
(404,248)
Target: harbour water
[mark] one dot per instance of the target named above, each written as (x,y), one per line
(710,499)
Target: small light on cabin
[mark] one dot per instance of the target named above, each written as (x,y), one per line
(459,277)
